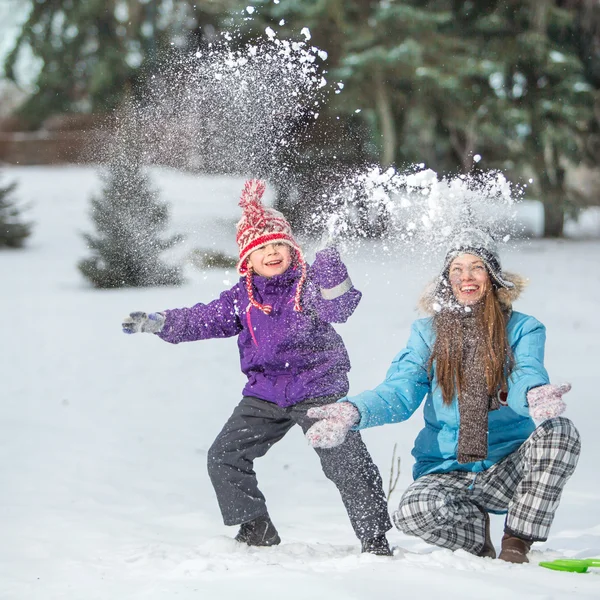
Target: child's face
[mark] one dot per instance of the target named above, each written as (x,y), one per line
(271,259)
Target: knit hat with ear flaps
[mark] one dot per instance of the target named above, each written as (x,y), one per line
(479,243)
(258,226)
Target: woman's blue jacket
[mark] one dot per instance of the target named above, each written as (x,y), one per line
(408,382)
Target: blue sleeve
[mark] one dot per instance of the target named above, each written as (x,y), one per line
(528,370)
(406,385)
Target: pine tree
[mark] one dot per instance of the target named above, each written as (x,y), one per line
(320,152)
(503,80)
(91,52)
(129,219)
(12,230)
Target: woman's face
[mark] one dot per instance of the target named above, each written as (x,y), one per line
(469,279)
(271,259)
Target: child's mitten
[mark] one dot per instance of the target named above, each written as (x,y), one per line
(545,401)
(138,322)
(328,270)
(335,422)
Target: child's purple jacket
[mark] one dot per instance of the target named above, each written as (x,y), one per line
(287,356)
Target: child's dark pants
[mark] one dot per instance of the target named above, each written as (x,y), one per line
(254,427)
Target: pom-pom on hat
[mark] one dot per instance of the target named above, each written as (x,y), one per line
(258,226)
(472,240)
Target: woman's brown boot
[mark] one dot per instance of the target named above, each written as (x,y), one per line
(514,549)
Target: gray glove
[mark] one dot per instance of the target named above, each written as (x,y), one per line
(138,322)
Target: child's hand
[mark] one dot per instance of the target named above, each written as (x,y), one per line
(141,322)
(328,270)
(336,421)
(545,401)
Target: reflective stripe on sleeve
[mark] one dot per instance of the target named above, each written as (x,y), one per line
(337,291)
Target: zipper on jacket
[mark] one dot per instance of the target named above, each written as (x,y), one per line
(473,481)
(249,321)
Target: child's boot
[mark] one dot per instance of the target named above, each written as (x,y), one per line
(377,545)
(514,549)
(258,532)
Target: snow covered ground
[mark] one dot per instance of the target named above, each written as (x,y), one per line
(104,491)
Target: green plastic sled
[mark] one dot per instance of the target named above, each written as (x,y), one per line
(573,565)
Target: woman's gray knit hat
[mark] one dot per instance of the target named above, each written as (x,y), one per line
(479,243)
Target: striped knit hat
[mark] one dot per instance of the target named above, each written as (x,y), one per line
(258,226)
(472,240)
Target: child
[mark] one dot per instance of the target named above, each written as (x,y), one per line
(281,312)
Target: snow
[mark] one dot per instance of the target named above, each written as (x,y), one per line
(105,493)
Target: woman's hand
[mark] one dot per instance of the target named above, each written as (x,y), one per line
(545,401)
(335,422)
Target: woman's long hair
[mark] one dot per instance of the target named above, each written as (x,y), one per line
(494,350)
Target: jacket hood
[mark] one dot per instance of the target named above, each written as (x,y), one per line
(505,296)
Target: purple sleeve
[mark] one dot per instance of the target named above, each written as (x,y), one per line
(218,319)
(330,292)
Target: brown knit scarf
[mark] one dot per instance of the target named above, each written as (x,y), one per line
(474,403)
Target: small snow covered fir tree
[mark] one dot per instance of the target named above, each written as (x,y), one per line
(12,230)
(129,219)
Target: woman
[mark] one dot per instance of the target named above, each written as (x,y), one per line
(479,365)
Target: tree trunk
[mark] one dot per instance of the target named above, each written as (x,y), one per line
(386,120)
(539,17)
(554,217)
(553,192)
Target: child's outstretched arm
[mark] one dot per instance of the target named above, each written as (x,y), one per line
(331,293)
(140,322)
(216,319)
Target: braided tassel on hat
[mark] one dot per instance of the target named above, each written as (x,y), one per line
(297,305)
(266,308)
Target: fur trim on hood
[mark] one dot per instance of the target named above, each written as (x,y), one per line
(505,296)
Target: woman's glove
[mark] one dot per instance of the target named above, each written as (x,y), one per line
(335,422)
(545,401)
(138,322)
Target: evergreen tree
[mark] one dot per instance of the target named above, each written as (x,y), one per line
(129,219)
(12,230)
(91,52)
(439,81)
(322,152)
(503,80)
